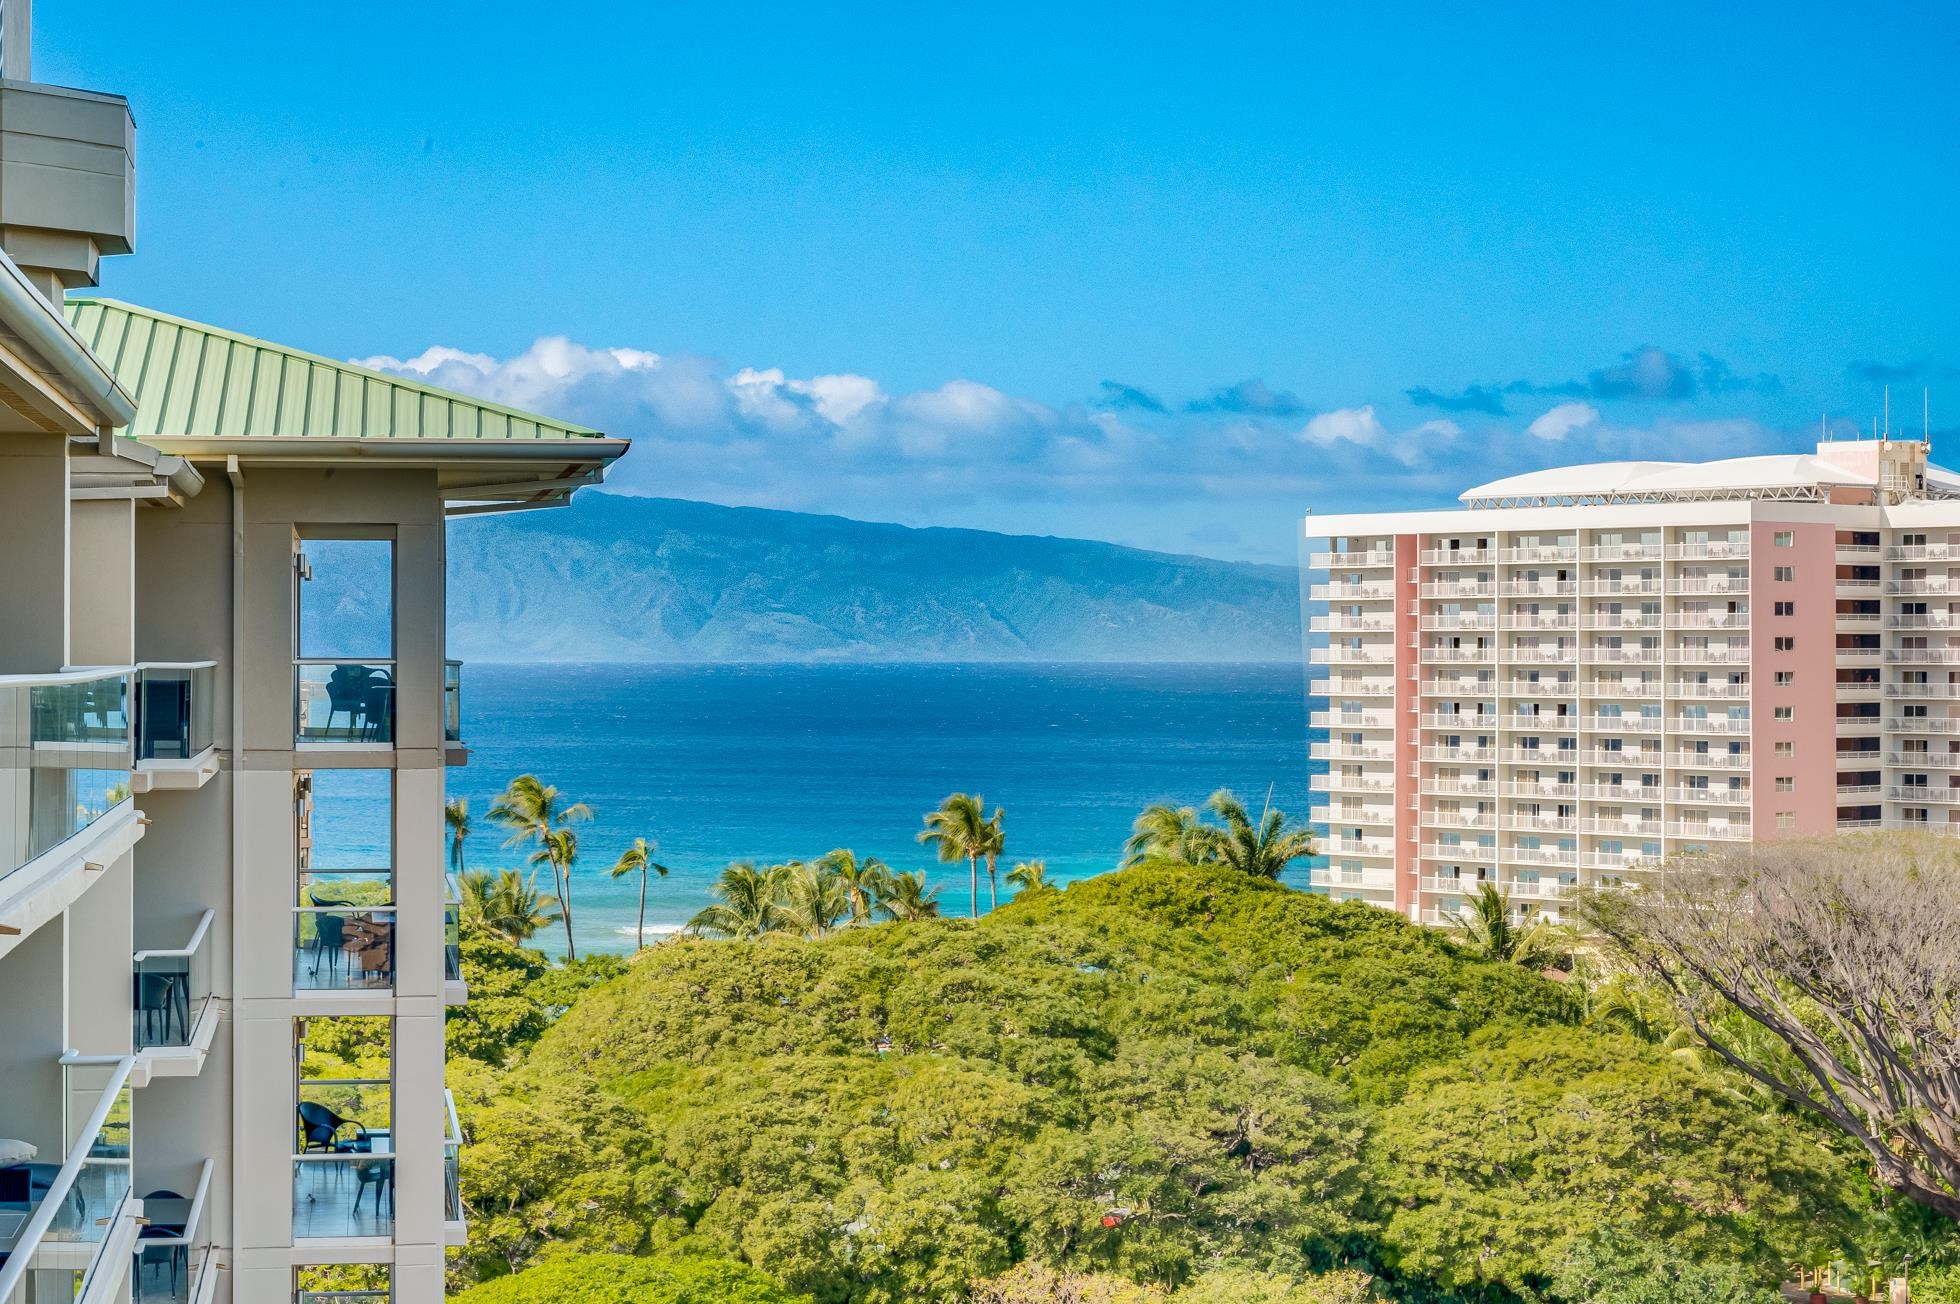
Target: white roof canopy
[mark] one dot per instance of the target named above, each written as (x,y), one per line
(1788,476)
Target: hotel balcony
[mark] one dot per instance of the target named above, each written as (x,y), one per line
(1712,548)
(1862,690)
(1710,760)
(1689,688)
(1623,688)
(1340,561)
(1459,589)
(1342,751)
(1539,588)
(1708,620)
(1546,620)
(176,1251)
(1366,591)
(1708,724)
(1621,828)
(1619,861)
(452,701)
(175,741)
(1939,587)
(1923,552)
(350,703)
(69,1224)
(66,750)
(344,1159)
(1545,790)
(1923,656)
(1717,585)
(1921,760)
(1913,794)
(1380,815)
(1620,588)
(1540,856)
(1542,823)
(1459,755)
(1622,724)
(1856,621)
(1541,687)
(1378,654)
(1460,723)
(1357,847)
(1459,819)
(1340,623)
(1351,720)
(1624,794)
(1623,620)
(1937,724)
(1463,620)
(1733,831)
(1630,656)
(1458,557)
(1482,686)
(339,946)
(1351,686)
(1622,552)
(1549,758)
(1459,853)
(1529,654)
(1459,787)
(1924,620)
(174,1015)
(1333,876)
(1709,656)
(1710,796)
(1859,586)
(1332,782)
(1917,690)
(1857,552)
(1848,791)
(1543,554)
(1859,654)
(1457,655)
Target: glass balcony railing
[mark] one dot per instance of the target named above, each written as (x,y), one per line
(173,1250)
(174,709)
(63,1213)
(343,948)
(172,988)
(344,1168)
(341,1297)
(452,701)
(452,929)
(452,1155)
(344,702)
(65,754)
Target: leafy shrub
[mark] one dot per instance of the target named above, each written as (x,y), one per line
(619,1279)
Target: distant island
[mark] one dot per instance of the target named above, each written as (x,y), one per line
(618,578)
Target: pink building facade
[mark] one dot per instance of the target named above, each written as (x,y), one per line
(1586,670)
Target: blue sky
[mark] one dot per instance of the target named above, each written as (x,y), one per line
(1163,275)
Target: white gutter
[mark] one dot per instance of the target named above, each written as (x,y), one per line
(45,1213)
(40,323)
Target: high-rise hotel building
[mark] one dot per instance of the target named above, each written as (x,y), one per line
(226,944)
(1585,669)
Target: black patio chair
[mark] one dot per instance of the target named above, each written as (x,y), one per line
(170,1256)
(319,1129)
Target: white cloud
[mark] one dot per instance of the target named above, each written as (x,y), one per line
(1355,425)
(1562,420)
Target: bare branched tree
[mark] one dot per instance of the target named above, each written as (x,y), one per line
(1847,951)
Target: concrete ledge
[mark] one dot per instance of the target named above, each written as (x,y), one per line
(175,775)
(41,889)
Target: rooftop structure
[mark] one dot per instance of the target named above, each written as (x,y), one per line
(1590,668)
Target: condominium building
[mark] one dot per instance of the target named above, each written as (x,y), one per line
(225,717)
(1587,669)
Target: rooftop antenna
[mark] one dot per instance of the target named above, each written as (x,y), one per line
(1926,415)
(1888,413)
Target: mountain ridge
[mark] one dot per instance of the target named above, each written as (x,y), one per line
(621,578)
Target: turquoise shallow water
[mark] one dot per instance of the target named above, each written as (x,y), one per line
(734,762)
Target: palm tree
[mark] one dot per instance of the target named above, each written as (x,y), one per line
(1263,850)
(863,881)
(906,897)
(1486,928)
(1031,876)
(560,851)
(456,814)
(995,845)
(533,811)
(638,859)
(1166,832)
(746,903)
(960,830)
(505,904)
(811,899)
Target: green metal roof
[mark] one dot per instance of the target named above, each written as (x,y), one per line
(192,381)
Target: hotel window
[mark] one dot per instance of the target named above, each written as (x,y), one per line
(1786,749)
(1786,783)
(1785,539)
(1786,819)
(1786,608)
(1786,644)
(1786,574)
(1786,712)
(344,637)
(1784,678)
(344,910)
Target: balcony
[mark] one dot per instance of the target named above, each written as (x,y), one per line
(1351,720)
(339,945)
(1356,847)
(1917,690)
(1857,551)
(173,993)
(76,1218)
(1915,794)
(1924,760)
(1367,591)
(1712,656)
(1923,656)
(1859,654)
(1548,791)
(1458,557)
(1622,552)
(1923,620)
(1338,751)
(1733,831)
(344,1165)
(457,1232)
(1460,723)
(66,748)
(1541,687)
(174,1254)
(1459,819)
(1922,551)
(1619,588)
(1709,724)
(1332,877)
(1459,589)
(1351,687)
(1458,853)
(1545,620)
(1345,623)
(1639,688)
(1632,656)
(1708,691)
(1623,620)
(1622,724)
(1550,758)
(1332,561)
(1625,794)
(1708,620)
(344,702)
(1939,587)
(176,746)
(1920,724)
(1541,856)
(1548,554)
(1462,620)
(1539,588)
(1349,783)
(1711,760)
(1710,796)
(1528,655)
(1713,549)
(1543,823)
(452,701)
(1621,828)
(1380,655)
(1712,584)
(1620,861)
(1459,787)
(1459,755)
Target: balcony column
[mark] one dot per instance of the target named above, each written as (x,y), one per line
(102,597)
(34,540)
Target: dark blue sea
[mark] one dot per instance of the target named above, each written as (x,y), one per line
(771,762)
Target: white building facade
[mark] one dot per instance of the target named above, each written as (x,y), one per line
(1589,668)
(225,717)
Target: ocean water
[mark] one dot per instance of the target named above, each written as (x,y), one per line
(769,762)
